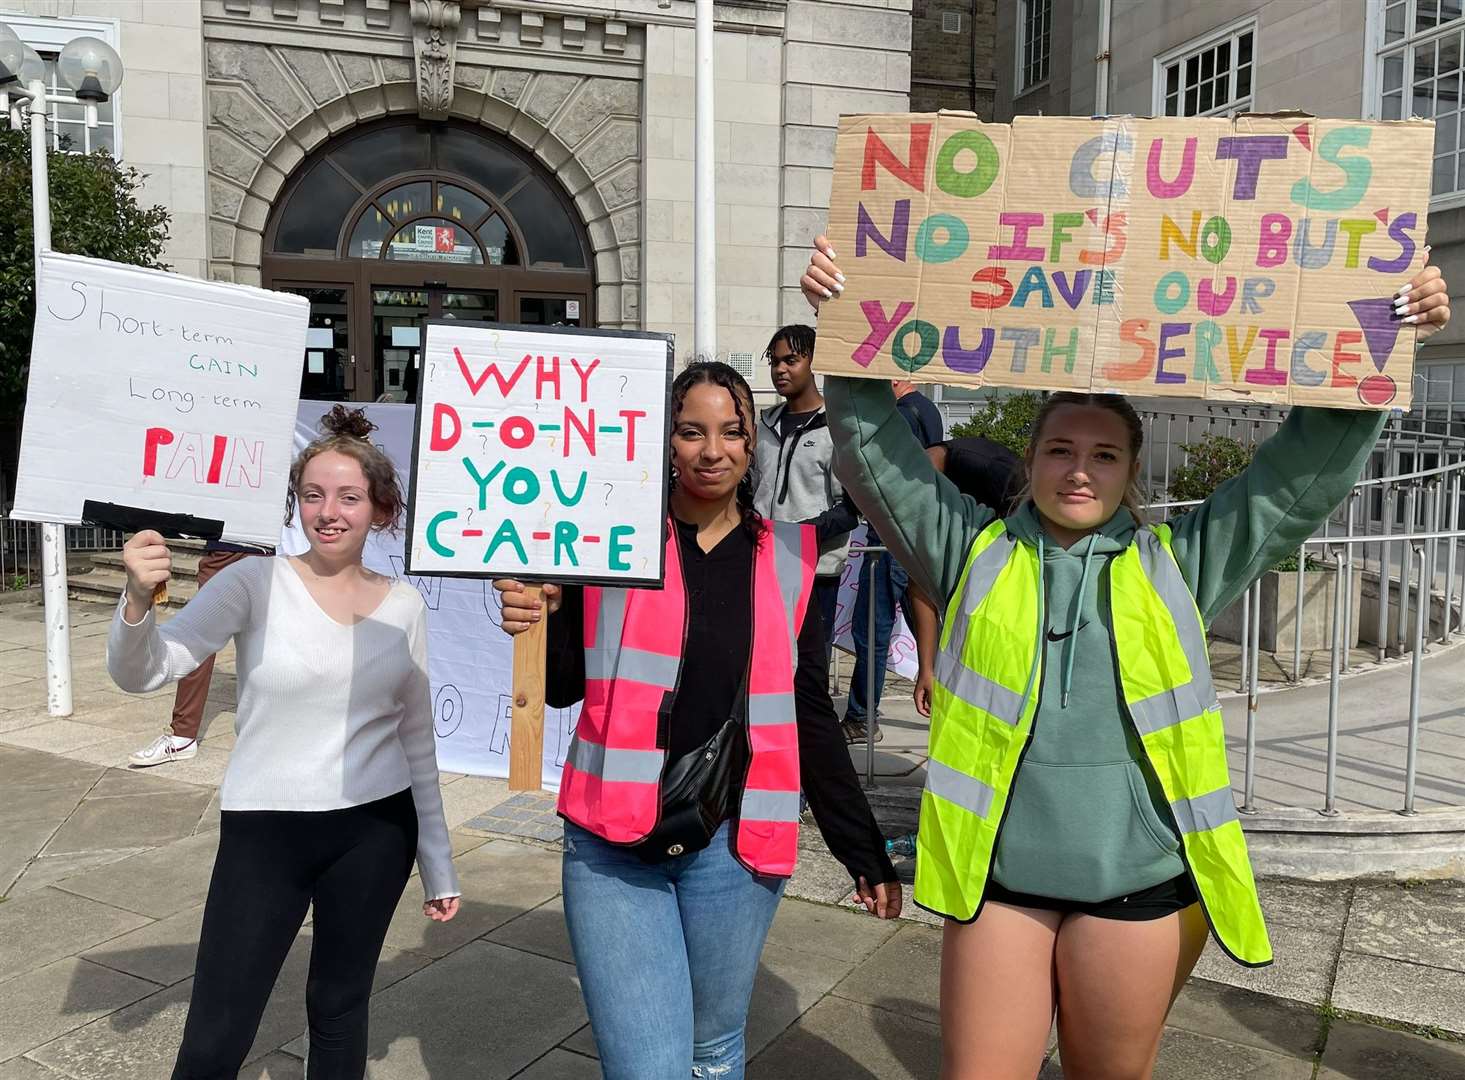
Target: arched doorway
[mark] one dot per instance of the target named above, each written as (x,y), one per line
(402,221)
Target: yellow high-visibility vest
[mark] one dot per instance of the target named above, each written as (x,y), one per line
(985,697)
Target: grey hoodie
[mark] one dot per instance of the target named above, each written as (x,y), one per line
(796,479)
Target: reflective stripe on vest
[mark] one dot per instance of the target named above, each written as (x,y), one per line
(982,714)
(633,656)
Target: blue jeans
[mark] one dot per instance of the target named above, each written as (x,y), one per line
(888,590)
(666,954)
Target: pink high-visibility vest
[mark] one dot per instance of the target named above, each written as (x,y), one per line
(633,657)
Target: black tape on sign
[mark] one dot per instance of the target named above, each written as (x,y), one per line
(136,518)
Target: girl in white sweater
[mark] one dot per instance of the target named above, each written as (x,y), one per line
(332,787)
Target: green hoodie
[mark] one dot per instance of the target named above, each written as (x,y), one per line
(1086,820)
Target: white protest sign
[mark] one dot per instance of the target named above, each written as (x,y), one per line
(161,392)
(469,657)
(541,454)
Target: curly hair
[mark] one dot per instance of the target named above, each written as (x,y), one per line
(346,431)
(716,373)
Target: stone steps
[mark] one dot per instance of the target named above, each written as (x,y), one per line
(107,578)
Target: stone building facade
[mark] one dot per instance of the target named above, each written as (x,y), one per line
(954,55)
(399,159)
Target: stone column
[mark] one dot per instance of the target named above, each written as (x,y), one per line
(840,56)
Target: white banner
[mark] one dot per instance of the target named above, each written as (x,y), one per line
(902,656)
(541,454)
(161,392)
(470,659)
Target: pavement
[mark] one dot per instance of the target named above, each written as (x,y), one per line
(103,873)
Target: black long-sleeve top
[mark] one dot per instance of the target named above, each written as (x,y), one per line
(718,647)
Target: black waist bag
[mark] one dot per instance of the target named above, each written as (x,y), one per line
(696,794)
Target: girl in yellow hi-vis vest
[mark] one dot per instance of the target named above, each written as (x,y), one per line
(1077,828)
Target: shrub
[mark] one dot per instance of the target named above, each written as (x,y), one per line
(1007,419)
(1208,464)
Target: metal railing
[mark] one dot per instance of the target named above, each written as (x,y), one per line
(1402,526)
(20,549)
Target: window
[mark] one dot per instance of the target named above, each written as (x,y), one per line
(431,216)
(1034,38)
(68,116)
(1208,77)
(1439,399)
(1419,62)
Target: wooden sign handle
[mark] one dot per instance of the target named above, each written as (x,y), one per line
(526,738)
(160,594)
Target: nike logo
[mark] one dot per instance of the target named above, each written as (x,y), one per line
(1059,637)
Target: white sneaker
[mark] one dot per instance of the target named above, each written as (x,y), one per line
(163,749)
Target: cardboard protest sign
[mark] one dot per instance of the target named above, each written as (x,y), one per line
(159,392)
(1249,259)
(540,454)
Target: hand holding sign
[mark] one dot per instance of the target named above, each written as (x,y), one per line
(149,565)
(525,441)
(1249,259)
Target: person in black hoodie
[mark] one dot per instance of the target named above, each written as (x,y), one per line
(667,939)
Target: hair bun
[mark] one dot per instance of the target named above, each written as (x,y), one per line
(343,421)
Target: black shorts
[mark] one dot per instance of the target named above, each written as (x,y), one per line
(1155,902)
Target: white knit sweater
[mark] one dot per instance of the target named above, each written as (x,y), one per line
(329,715)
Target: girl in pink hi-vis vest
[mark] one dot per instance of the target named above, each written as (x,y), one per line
(727,655)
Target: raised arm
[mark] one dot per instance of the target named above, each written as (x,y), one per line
(141,655)
(1252,521)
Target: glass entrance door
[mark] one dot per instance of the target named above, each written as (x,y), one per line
(397,318)
(552,309)
(329,371)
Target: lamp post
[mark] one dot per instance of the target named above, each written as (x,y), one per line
(93,71)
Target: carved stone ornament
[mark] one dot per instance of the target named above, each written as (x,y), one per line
(434,43)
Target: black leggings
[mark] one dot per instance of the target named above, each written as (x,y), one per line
(352,865)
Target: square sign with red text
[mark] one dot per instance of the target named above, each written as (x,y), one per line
(540,454)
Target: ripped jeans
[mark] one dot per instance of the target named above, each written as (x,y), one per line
(666,953)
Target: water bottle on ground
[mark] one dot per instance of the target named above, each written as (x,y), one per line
(903,846)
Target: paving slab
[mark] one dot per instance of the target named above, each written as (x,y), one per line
(485,1011)
(1247,1019)
(25,771)
(46,870)
(162,952)
(1365,1052)
(789,983)
(118,783)
(1407,993)
(1306,905)
(111,823)
(540,930)
(1185,1055)
(156,883)
(557,1065)
(851,1041)
(61,997)
(17,720)
(48,924)
(500,880)
(54,804)
(841,933)
(276,1066)
(1301,971)
(20,843)
(22,1068)
(141,1041)
(56,736)
(1423,924)
(900,976)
